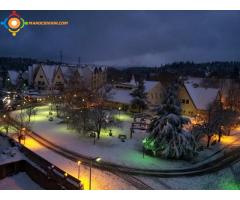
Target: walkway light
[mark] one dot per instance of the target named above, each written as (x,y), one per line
(119,109)
(97,159)
(79,163)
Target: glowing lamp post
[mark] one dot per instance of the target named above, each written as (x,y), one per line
(119,109)
(68,122)
(50,107)
(79,163)
(97,159)
(65,175)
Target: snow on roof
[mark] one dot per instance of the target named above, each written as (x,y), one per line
(150,85)
(49,71)
(80,71)
(67,71)
(86,71)
(133,81)
(13,75)
(32,72)
(120,96)
(201,96)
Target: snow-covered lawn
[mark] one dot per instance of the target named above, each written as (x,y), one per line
(20,181)
(110,149)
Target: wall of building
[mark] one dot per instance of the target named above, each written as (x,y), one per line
(89,78)
(156,95)
(187,105)
(58,81)
(99,78)
(40,81)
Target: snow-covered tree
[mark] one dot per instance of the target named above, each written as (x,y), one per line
(167,138)
(139,97)
(220,121)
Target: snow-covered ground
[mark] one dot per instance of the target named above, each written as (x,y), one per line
(20,181)
(7,153)
(101,180)
(222,180)
(111,149)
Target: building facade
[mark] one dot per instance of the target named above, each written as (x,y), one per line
(120,95)
(54,77)
(196,99)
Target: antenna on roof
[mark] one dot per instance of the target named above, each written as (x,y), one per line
(79,61)
(61,57)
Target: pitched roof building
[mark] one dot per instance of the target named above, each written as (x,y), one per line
(121,96)
(55,77)
(195,98)
(13,76)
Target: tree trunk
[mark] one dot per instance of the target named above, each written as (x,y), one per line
(208,142)
(98,135)
(7,130)
(229,130)
(219,135)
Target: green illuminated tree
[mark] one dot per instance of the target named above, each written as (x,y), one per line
(167,137)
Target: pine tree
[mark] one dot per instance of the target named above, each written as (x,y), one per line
(139,97)
(167,138)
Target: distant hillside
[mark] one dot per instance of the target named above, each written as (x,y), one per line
(9,63)
(211,69)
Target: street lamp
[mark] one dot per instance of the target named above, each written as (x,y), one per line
(65,175)
(50,107)
(68,122)
(97,159)
(79,163)
(119,109)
